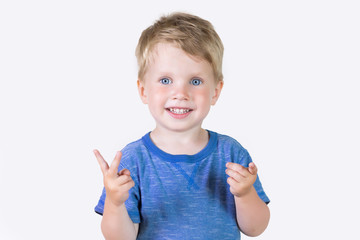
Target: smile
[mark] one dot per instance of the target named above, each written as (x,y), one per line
(179,110)
(179,113)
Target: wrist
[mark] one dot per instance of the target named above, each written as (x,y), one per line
(113,205)
(246,194)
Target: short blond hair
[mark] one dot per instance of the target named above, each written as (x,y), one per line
(192,34)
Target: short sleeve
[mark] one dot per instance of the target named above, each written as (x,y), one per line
(132,203)
(99,208)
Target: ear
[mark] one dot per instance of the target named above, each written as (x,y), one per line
(217,92)
(141,89)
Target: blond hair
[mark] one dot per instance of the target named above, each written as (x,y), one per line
(192,34)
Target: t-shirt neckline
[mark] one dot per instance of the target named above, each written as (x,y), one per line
(206,151)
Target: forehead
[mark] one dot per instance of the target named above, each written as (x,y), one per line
(170,57)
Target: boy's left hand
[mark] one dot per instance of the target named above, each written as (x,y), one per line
(241,179)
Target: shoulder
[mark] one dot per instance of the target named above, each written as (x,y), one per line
(231,148)
(133,147)
(133,154)
(229,143)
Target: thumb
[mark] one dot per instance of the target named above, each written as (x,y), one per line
(252,168)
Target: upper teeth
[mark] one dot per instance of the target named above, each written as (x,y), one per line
(179,110)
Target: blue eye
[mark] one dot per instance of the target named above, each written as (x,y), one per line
(196,82)
(165,81)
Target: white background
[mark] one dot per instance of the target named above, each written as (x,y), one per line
(68,85)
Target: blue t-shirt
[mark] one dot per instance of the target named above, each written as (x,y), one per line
(183,196)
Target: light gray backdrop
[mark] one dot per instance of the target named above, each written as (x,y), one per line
(68,85)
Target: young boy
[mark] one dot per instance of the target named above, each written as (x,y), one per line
(181,181)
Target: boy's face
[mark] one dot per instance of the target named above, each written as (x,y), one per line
(179,89)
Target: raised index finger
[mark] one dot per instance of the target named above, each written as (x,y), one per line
(103,164)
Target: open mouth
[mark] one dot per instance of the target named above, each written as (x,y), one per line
(179,113)
(179,110)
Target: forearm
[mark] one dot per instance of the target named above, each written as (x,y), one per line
(252,214)
(116,223)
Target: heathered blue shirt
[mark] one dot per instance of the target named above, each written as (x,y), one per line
(183,196)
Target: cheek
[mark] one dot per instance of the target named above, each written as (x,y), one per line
(157,96)
(207,94)
(203,97)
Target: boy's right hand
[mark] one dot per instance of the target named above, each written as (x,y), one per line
(117,184)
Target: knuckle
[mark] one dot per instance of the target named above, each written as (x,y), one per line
(130,184)
(125,178)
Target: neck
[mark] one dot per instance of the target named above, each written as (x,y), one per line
(189,142)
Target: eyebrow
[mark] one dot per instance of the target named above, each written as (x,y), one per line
(169,74)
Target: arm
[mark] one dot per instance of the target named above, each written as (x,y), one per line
(116,223)
(252,213)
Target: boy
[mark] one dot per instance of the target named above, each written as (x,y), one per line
(181,181)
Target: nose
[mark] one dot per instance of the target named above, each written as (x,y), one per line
(180,92)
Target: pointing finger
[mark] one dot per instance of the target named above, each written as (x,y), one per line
(102,163)
(238,168)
